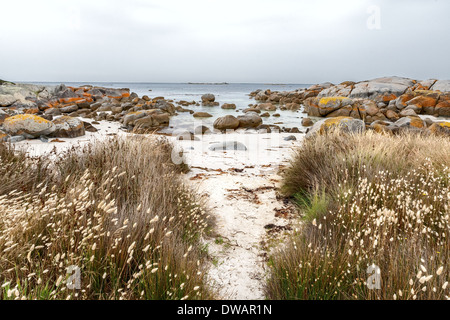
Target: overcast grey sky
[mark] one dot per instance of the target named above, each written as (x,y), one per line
(282,41)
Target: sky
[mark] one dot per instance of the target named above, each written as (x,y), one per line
(259,41)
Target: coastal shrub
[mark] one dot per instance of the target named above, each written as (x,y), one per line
(117,213)
(387,219)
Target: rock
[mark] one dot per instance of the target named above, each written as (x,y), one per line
(15,139)
(202,115)
(392,115)
(228,106)
(442,109)
(307,122)
(161,117)
(146,123)
(226,122)
(410,122)
(7,100)
(69,109)
(441,85)
(3,136)
(381,126)
(381,89)
(292,106)
(265,115)
(370,107)
(187,136)
(116,110)
(416,108)
(68,127)
(165,106)
(130,117)
(201,130)
(251,110)
(276,115)
(228,145)
(53,112)
(422,101)
(346,124)
(268,128)
(29,124)
(249,120)
(89,127)
(266,107)
(261,96)
(408,113)
(208,98)
(290,138)
(440,128)
(3,116)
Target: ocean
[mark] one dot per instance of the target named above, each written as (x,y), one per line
(237,93)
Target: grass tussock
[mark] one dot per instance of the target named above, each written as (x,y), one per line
(387,207)
(117,210)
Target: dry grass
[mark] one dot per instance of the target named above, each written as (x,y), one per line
(118,210)
(387,204)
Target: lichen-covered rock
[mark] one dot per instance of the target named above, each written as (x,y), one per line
(146,123)
(381,89)
(28,124)
(440,128)
(130,117)
(249,120)
(325,106)
(410,122)
(226,122)
(68,127)
(346,124)
(442,109)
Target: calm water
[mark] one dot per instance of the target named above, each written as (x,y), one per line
(236,93)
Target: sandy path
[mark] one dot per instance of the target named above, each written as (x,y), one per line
(244,203)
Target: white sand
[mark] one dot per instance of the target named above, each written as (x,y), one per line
(239,270)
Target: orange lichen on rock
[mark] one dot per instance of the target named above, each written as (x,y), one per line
(423,101)
(443,108)
(32,111)
(32,117)
(416,122)
(69,100)
(389,97)
(440,128)
(326,100)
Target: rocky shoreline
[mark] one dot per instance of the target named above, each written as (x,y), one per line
(390,104)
